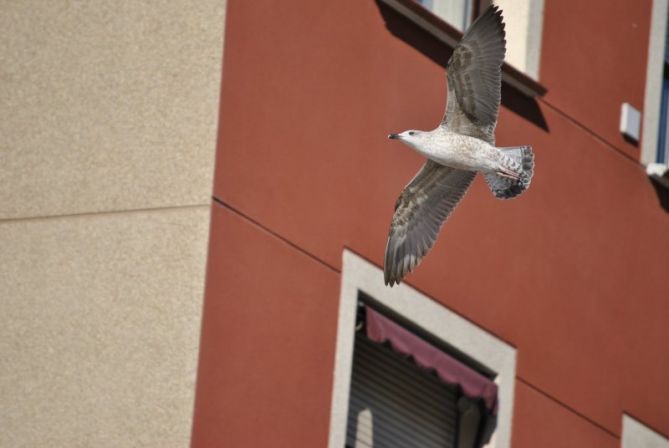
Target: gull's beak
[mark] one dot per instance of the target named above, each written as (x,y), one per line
(393,136)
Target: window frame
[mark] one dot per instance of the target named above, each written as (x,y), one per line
(635,434)
(661,155)
(493,354)
(651,125)
(526,83)
(471,10)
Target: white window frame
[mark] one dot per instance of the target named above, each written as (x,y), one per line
(358,275)
(654,77)
(438,5)
(637,435)
(524,29)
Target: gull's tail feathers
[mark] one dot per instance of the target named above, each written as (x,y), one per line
(521,159)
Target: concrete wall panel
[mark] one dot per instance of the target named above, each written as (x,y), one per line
(99,327)
(107,105)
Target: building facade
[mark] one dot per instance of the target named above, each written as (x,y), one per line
(559,297)
(108,132)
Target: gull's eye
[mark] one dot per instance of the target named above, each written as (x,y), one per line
(411,132)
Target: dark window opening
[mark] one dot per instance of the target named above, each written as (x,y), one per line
(395,402)
(663,137)
(662,155)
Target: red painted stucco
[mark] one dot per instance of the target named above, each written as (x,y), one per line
(593,59)
(541,422)
(573,273)
(267,352)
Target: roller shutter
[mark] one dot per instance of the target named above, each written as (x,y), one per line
(395,404)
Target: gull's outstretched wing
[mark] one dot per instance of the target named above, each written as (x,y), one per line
(475,78)
(420,212)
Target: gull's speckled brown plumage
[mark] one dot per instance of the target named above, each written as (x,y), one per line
(460,147)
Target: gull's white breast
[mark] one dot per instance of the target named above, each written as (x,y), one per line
(459,151)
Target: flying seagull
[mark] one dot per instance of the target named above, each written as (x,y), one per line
(462,145)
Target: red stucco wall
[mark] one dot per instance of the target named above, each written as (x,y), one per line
(267,354)
(573,273)
(594,59)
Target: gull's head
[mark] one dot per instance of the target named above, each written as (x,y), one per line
(411,137)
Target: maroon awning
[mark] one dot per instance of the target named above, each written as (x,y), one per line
(448,369)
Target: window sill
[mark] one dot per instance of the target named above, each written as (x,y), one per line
(658,174)
(661,180)
(450,36)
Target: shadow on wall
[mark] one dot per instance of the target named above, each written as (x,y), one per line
(662,192)
(631,140)
(437,51)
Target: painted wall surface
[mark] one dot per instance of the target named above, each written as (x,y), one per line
(594,59)
(266,362)
(570,273)
(108,115)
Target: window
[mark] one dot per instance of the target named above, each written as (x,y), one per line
(523,19)
(662,154)
(663,133)
(459,13)
(637,435)
(356,357)
(406,392)
(394,403)
(655,133)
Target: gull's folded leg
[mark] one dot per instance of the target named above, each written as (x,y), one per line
(508,173)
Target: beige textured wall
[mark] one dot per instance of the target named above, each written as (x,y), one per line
(108,115)
(99,326)
(107,105)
